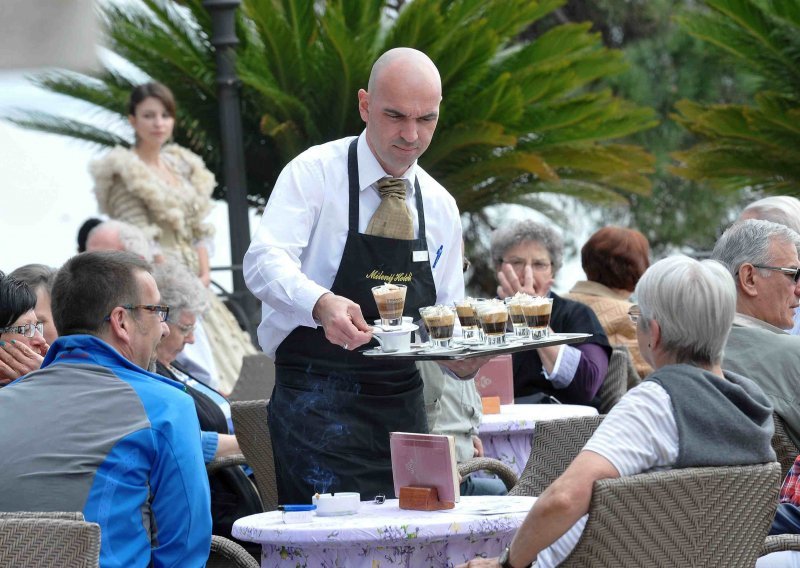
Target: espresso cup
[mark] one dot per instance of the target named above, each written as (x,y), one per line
(390,299)
(395,341)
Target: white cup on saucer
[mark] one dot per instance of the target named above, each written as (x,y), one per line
(395,341)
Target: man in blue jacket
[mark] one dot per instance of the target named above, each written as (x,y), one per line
(93,431)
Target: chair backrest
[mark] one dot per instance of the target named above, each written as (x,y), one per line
(252,432)
(785,450)
(227,554)
(709,516)
(64,515)
(496,378)
(40,542)
(256,379)
(615,385)
(555,444)
(633,375)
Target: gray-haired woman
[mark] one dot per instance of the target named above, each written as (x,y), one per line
(232,494)
(687,413)
(527,257)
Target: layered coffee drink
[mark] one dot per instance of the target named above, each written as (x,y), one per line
(492,315)
(468,318)
(516,313)
(537,314)
(439,321)
(391,299)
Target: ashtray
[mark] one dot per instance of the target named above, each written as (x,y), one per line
(336,504)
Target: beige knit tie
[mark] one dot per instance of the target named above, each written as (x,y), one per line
(392,218)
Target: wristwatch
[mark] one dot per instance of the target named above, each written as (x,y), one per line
(504,561)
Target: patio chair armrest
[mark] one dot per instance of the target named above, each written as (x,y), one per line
(219,463)
(505,473)
(779,542)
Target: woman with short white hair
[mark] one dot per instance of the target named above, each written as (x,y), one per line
(687,413)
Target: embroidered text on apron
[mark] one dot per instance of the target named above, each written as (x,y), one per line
(332,410)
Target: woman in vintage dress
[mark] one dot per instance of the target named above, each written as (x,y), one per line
(166,191)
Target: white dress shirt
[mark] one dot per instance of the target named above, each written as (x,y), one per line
(296,250)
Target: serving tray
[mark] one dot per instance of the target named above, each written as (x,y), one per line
(466,351)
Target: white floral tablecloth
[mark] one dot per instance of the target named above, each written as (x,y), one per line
(507,436)
(384,535)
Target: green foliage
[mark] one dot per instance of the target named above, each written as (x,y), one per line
(754,146)
(667,65)
(519,117)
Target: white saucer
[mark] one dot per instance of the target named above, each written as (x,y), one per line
(466,342)
(483,347)
(414,349)
(444,350)
(405,328)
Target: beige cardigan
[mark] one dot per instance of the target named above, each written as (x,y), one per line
(612,311)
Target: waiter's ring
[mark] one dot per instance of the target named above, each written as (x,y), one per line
(344,346)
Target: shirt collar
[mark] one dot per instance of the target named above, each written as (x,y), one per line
(742,320)
(370,171)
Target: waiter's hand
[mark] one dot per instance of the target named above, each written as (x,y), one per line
(465,368)
(342,321)
(509,283)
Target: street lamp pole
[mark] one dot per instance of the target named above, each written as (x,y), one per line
(224,40)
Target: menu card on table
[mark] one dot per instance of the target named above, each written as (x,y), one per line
(496,378)
(425,460)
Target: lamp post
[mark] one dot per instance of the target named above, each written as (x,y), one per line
(224,40)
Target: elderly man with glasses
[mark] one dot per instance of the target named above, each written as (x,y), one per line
(94,431)
(762,257)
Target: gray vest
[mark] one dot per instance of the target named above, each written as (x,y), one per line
(720,421)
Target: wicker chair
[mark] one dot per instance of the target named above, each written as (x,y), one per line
(710,517)
(37,540)
(252,432)
(256,379)
(780,542)
(229,461)
(63,515)
(501,470)
(785,450)
(615,385)
(555,444)
(227,554)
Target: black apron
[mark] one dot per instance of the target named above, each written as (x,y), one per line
(331,410)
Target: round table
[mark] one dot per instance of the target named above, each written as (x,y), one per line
(385,535)
(507,436)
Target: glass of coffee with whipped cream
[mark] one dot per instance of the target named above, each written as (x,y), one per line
(468,318)
(439,321)
(514,304)
(493,315)
(537,310)
(391,299)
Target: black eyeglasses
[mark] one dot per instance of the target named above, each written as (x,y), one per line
(162,311)
(793,273)
(635,313)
